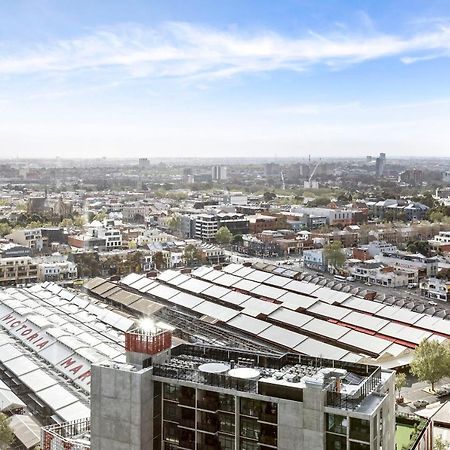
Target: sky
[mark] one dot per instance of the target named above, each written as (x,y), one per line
(236,78)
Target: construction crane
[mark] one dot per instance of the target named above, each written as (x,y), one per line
(283,184)
(309,184)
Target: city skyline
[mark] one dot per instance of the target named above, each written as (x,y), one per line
(191,79)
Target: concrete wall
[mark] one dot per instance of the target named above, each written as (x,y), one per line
(121,409)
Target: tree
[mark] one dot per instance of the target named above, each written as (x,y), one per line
(4,229)
(66,223)
(79,221)
(431,361)
(158,260)
(269,196)
(6,434)
(174,224)
(400,382)
(436,216)
(192,255)
(320,201)
(224,236)
(334,254)
(440,444)
(422,247)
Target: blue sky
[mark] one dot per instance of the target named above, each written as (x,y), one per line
(231,78)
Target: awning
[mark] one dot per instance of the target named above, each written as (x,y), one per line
(26,429)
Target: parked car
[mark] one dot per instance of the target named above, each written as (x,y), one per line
(421,404)
(443,391)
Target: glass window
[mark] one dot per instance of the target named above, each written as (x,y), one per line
(170,391)
(171,432)
(359,429)
(249,428)
(248,445)
(337,424)
(335,442)
(226,442)
(359,446)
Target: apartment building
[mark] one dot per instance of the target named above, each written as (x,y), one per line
(208,398)
(22,270)
(31,238)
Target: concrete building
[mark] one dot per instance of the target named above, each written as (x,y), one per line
(207,225)
(219,173)
(380,164)
(196,397)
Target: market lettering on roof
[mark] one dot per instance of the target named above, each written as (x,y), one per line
(81,371)
(24,332)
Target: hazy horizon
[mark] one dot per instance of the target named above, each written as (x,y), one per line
(187,78)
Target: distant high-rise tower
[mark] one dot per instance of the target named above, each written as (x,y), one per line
(219,173)
(144,163)
(380,164)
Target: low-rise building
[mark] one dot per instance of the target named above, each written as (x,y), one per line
(56,268)
(382,275)
(21,270)
(426,267)
(31,238)
(435,288)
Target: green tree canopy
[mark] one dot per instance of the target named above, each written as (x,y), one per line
(400,382)
(6,434)
(431,361)
(334,254)
(224,236)
(192,255)
(4,229)
(422,247)
(440,444)
(158,260)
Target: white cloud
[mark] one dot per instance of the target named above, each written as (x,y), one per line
(187,51)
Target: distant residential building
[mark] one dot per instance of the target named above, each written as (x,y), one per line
(219,173)
(374,248)
(11,250)
(435,288)
(86,242)
(259,223)
(380,164)
(380,274)
(56,268)
(31,238)
(314,259)
(426,267)
(446,176)
(207,225)
(37,204)
(441,241)
(413,177)
(334,216)
(144,163)
(21,270)
(112,237)
(153,236)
